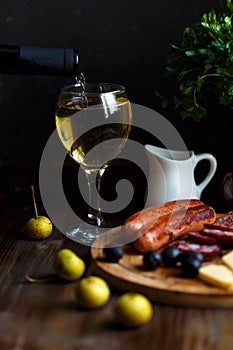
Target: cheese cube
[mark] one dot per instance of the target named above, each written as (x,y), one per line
(228,259)
(217,275)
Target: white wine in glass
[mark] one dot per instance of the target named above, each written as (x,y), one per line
(93,123)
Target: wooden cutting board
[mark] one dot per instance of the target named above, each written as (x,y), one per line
(162,285)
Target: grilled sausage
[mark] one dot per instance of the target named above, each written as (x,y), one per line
(136,221)
(171,226)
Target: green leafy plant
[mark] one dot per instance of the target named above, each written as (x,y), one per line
(203,64)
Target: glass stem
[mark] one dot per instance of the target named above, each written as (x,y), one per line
(94,214)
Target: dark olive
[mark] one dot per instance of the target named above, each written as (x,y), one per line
(193,254)
(170,256)
(190,266)
(113,254)
(151,259)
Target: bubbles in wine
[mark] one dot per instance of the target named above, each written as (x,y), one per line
(80,80)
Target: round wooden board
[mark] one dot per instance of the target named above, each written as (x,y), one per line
(162,285)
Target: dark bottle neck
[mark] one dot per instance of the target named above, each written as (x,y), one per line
(38,60)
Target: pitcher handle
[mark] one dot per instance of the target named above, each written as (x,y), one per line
(213,166)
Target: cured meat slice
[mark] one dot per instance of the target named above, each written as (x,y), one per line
(209,251)
(220,235)
(200,237)
(219,227)
(225,220)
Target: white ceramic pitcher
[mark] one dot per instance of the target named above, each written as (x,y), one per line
(171,174)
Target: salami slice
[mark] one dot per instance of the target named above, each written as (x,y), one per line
(225,220)
(221,227)
(209,251)
(220,235)
(199,237)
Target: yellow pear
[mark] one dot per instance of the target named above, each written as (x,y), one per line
(38,227)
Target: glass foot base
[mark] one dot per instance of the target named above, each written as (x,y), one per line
(99,237)
(84,234)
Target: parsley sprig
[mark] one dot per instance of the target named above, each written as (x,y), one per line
(203,64)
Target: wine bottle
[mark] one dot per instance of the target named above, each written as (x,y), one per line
(16,59)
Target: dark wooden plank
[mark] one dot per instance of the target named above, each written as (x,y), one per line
(45,316)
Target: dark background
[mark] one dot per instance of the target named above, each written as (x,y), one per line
(124,42)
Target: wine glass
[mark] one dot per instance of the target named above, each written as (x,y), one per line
(93,121)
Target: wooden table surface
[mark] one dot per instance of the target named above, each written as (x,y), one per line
(46,316)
